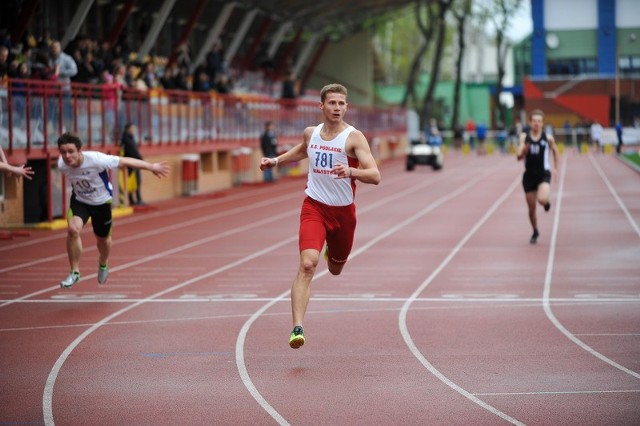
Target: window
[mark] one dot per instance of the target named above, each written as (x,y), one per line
(574,66)
(629,64)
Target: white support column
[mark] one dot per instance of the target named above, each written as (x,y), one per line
(231,51)
(304,55)
(158,23)
(277,38)
(76,22)
(213,35)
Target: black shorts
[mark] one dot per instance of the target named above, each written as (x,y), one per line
(101,219)
(531,180)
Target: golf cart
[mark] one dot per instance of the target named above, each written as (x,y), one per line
(427,153)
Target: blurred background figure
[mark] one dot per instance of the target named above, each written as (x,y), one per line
(130,149)
(268,143)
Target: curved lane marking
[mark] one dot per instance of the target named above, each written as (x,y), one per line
(613,191)
(47,398)
(402,319)
(547,284)
(242,369)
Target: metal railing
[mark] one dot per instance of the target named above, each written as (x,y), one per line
(33,113)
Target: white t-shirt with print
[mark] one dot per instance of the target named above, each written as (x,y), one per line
(90,181)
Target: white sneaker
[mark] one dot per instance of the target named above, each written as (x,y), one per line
(73,278)
(103,274)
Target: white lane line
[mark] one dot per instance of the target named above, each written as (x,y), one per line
(174,210)
(402,319)
(240,359)
(138,218)
(607,334)
(158,231)
(165,253)
(47,398)
(613,191)
(211,238)
(329,311)
(236,298)
(588,392)
(547,285)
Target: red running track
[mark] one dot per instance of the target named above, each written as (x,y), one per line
(445,314)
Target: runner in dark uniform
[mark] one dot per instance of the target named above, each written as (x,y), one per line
(534,148)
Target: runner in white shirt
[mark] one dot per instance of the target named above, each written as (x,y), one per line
(338,156)
(91,198)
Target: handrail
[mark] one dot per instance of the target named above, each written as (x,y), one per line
(33,113)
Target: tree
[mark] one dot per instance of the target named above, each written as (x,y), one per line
(396,40)
(500,12)
(461,11)
(426,27)
(441,7)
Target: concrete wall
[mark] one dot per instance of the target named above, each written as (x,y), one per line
(11,207)
(350,63)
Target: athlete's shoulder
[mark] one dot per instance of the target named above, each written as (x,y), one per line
(356,135)
(93,154)
(308,132)
(310,129)
(101,159)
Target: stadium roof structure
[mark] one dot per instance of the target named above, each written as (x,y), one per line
(326,16)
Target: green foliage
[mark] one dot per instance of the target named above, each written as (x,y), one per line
(398,39)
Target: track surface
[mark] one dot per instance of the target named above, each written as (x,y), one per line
(445,314)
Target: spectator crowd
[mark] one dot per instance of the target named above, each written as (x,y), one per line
(86,60)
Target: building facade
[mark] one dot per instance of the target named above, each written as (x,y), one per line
(584,62)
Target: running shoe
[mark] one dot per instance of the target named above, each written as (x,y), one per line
(547,206)
(73,278)
(103,274)
(534,237)
(297,337)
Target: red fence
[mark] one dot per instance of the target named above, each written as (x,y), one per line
(34,113)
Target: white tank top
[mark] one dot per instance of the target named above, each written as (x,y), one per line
(322,185)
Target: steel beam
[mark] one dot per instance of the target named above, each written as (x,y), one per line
(304,55)
(239,36)
(120,22)
(213,34)
(154,31)
(76,22)
(188,29)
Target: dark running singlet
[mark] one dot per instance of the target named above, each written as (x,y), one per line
(537,158)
